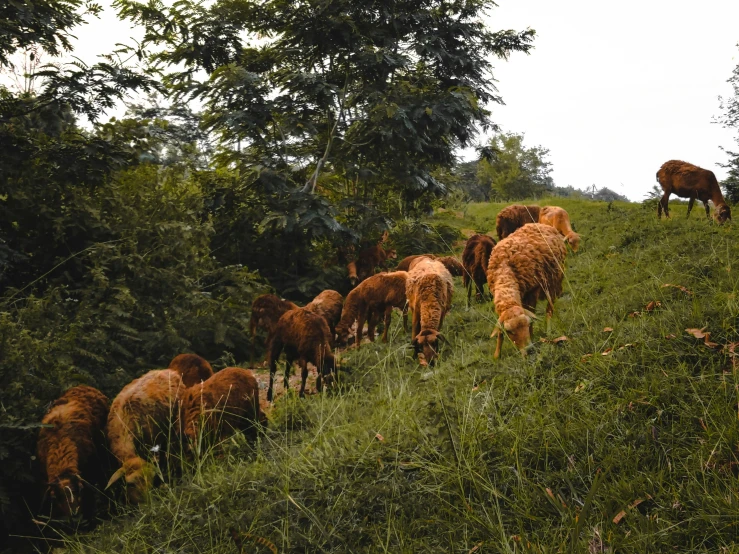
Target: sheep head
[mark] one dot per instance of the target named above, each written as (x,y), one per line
(428,342)
(516,322)
(139,477)
(65,494)
(722,213)
(573,239)
(391,254)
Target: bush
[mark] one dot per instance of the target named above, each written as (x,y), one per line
(411,236)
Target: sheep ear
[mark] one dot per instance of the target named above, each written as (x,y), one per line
(117,475)
(496,332)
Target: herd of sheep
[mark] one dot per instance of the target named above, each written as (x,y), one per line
(175,406)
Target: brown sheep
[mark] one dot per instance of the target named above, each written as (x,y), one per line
(72,452)
(266,311)
(371,299)
(429,290)
(690,181)
(557,217)
(515,216)
(306,337)
(192,368)
(143,416)
(328,305)
(475,261)
(226,402)
(368,259)
(525,267)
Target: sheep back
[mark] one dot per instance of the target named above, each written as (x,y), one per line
(328,305)
(227,401)
(515,216)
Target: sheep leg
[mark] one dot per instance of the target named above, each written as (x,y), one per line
(288,367)
(388,315)
(663,204)
(498,345)
(708,210)
(273,355)
(690,206)
(372,318)
(416,329)
(405,318)
(480,294)
(360,325)
(304,375)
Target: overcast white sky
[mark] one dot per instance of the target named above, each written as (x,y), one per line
(613,90)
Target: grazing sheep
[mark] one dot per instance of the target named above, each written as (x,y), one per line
(266,310)
(525,267)
(515,216)
(328,305)
(557,217)
(690,181)
(192,368)
(372,298)
(226,402)
(143,416)
(475,261)
(72,452)
(306,337)
(368,259)
(429,291)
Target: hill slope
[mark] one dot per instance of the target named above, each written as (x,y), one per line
(476,455)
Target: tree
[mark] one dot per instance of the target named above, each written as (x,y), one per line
(513,171)
(730,118)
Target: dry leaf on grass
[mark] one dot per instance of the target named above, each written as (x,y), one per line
(701,334)
(627,345)
(653,305)
(475,548)
(585,357)
(608,329)
(560,339)
(671,336)
(579,387)
(635,314)
(379,437)
(606,352)
(619,516)
(679,287)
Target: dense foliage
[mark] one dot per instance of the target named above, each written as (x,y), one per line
(513,171)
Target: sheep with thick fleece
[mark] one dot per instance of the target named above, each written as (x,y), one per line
(227,401)
(144,415)
(72,452)
(328,305)
(266,311)
(514,217)
(192,368)
(304,336)
(475,259)
(372,298)
(525,267)
(429,291)
(557,217)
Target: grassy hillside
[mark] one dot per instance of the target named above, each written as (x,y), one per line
(584,446)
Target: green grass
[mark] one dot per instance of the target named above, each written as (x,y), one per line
(515,455)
